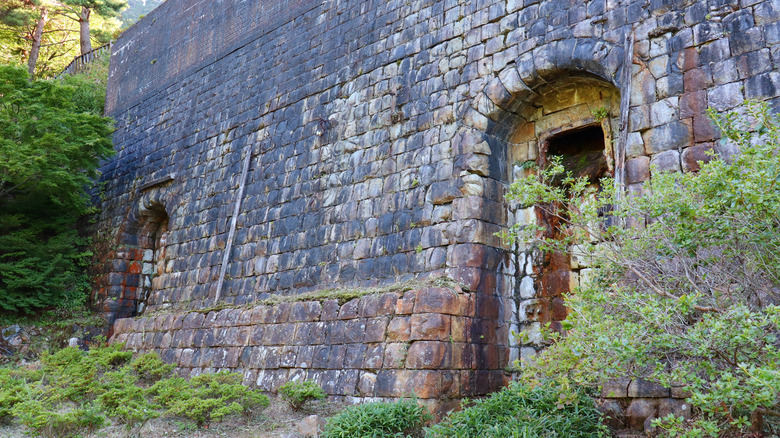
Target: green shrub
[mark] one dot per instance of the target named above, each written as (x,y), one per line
(687,298)
(296,394)
(208,397)
(520,410)
(404,418)
(11,390)
(49,419)
(74,391)
(150,367)
(121,399)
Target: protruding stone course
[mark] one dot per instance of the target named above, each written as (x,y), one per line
(431,342)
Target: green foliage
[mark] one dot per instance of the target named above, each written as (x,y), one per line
(75,391)
(522,410)
(52,138)
(296,394)
(208,397)
(61,32)
(150,367)
(39,416)
(137,10)
(89,85)
(11,393)
(121,399)
(404,418)
(685,296)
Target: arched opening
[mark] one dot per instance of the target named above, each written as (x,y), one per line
(152,241)
(574,118)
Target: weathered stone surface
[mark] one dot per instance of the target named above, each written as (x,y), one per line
(645,389)
(640,410)
(637,170)
(381,140)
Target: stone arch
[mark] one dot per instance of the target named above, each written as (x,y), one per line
(547,97)
(497,109)
(136,266)
(153,225)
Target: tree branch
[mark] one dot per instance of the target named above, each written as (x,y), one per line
(665,294)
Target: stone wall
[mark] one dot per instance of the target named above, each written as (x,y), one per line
(381,137)
(432,342)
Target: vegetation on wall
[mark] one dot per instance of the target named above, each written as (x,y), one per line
(688,294)
(52,137)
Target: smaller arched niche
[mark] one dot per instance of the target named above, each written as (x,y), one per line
(574,118)
(152,243)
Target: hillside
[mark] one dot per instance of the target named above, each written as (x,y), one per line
(137,8)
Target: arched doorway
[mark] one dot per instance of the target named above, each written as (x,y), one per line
(575,118)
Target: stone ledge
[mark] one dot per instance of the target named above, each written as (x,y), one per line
(430,342)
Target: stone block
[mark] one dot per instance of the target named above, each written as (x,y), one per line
(350,309)
(366,384)
(405,305)
(638,411)
(693,104)
(667,161)
(617,388)
(330,310)
(463,356)
(375,329)
(438,300)
(374,356)
(430,326)
(337,357)
(637,170)
(666,137)
(354,331)
(725,97)
(429,355)
(354,356)
(644,389)
(399,329)
(305,311)
(460,329)
(442,193)
(395,355)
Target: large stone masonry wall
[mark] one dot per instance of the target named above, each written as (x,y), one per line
(430,342)
(381,137)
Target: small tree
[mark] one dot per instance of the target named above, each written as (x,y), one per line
(52,137)
(687,296)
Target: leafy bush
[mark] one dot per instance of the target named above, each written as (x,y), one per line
(44,417)
(11,389)
(52,137)
(121,399)
(296,394)
(73,391)
(209,397)
(522,410)
(150,367)
(690,295)
(404,418)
